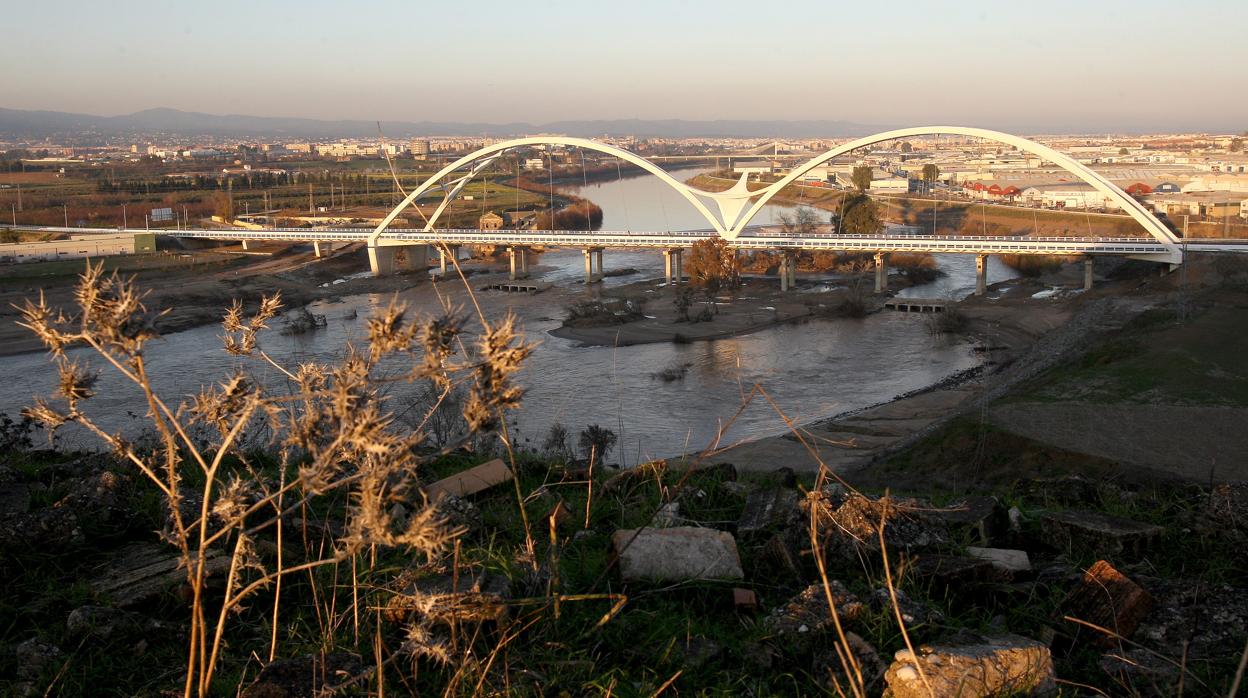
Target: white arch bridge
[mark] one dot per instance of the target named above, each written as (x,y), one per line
(728,214)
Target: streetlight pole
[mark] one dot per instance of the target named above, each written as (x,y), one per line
(65,209)
(123,216)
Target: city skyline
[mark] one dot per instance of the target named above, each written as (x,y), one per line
(1112,67)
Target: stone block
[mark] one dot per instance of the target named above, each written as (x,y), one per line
(1096,534)
(676,554)
(472,480)
(768,510)
(1008,562)
(1004,665)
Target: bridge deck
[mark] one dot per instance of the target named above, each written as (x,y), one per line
(753,238)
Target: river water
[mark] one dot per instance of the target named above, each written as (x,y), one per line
(812,370)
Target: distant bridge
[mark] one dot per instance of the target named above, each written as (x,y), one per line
(734,208)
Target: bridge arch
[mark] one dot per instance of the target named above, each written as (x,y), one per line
(732,222)
(1133,208)
(497,149)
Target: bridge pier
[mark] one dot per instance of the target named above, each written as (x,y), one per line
(415,257)
(593,271)
(881,272)
(321,249)
(519,259)
(382,259)
(1087,273)
(788,271)
(442,256)
(673,266)
(245,247)
(981,274)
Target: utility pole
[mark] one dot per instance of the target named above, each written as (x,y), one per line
(123,216)
(65,209)
(310,197)
(19,197)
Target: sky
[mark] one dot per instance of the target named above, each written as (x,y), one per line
(1036,67)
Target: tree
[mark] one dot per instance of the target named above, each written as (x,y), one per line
(931,173)
(223,206)
(1123,151)
(713,263)
(802,223)
(1237,144)
(860,216)
(862,177)
(906,147)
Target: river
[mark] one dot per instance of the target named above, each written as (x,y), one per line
(812,370)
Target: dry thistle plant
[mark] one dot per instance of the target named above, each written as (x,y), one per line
(332,436)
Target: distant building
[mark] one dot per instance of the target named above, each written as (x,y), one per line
(420,147)
(79,246)
(752,167)
(490,221)
(534,164)
(1207,204)
(894,185)
(1067,195)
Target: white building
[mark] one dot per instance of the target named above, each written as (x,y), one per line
(1067,195)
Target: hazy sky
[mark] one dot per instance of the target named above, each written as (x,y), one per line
(1031,66)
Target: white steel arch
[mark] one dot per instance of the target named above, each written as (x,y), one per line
(498,148)
(731,222)
(1133,208)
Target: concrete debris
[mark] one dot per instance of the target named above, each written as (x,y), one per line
(1210,619)
(1096,534)
(981,520)
(471,481)
(141,572)
(808,612)
(769,509)
(459,513)
(1009,562)
(1107,598)
(871,667)
(995,666)
(744,599)
(959,574)
(676,554)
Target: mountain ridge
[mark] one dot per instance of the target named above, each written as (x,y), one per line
(45,123)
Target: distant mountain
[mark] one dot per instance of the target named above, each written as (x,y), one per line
(15,123)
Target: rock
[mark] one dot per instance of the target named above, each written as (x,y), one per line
(870,666)
(34,657)
(1096,534)
(767,510)
(1008,562)
(1225,513)
(667,515)
(443,598)
(1147,674)
(1016,520)
(304,677)
(14,498)
(1108,599)
(141,572)
(110,623)
(980,520)
(808,612)
(676,554)
(1067,489)
(851,529)
(1004,665)
(913,611)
